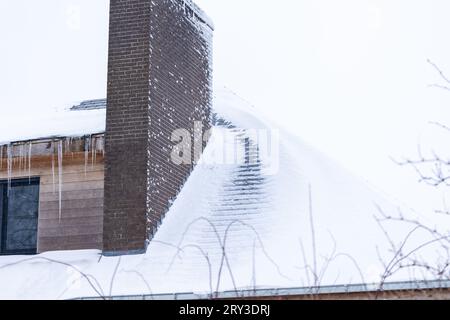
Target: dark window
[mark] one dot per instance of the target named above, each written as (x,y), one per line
(19,207)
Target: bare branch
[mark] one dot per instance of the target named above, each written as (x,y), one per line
(113,277)
(90,279)
(440,125)
(313,236)
(141,276)
(441,73)
(438,86)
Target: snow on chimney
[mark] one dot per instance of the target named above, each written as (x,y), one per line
(159,81)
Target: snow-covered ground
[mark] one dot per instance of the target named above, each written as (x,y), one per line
(289,218)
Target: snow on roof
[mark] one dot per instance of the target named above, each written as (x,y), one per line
(241,221)
(61,123)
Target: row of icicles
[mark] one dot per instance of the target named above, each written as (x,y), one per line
(21,160)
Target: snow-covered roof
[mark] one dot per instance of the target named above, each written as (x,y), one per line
(241,221)
(61,123)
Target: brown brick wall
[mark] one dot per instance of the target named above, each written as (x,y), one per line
(159,80)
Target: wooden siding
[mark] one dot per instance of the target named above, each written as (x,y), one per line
(81,223)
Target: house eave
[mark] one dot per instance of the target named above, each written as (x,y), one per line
(42,146)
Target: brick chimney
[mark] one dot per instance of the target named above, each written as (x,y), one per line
(159,80)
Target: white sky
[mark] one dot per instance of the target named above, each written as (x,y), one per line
(348,76)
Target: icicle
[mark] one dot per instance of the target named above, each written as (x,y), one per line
(53,167)
(67,144)
(86,153)
(70,144)
(102,146)
(29,161)
(60,173)
(10,165)
(93,150)
(20,157)
(1,157)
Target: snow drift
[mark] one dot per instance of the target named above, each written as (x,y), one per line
(241,221)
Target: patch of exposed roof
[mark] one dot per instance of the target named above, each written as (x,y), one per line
(90,105)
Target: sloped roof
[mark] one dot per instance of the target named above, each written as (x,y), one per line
(238,224)
(264,216)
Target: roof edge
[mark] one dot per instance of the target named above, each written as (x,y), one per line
(292,292)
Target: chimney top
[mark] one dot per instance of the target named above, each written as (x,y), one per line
(197,13)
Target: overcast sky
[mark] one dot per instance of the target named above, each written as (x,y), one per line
(348,76)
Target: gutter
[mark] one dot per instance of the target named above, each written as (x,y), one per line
(292,292)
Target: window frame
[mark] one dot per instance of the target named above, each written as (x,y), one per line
(4,215)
